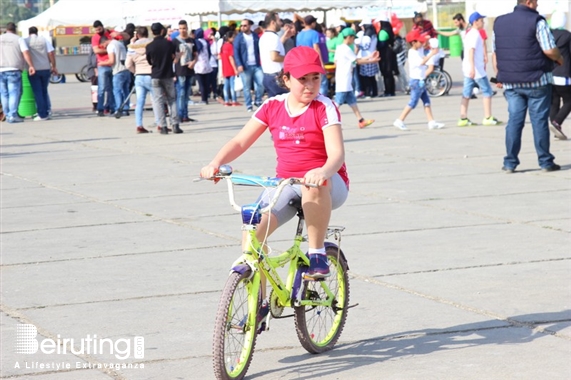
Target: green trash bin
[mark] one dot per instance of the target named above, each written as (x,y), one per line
(27,106)
(444,41)
(456,46)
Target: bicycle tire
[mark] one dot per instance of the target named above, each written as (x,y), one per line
(82,75)
(234,339)
(318,328)
(56,78)
(436,84)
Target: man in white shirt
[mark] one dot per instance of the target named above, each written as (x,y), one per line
(121,76)
(272,53)
(43,58)
(474,69)
(15,55)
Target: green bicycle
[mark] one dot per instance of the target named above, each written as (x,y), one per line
(319,306)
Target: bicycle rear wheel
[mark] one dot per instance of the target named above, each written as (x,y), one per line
(318,328)
(234,335)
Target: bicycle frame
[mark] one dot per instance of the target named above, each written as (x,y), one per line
(255,259)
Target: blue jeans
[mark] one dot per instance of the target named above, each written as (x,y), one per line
(418,92)
(356,83)
(470,84)
(537,101)
(271,86)
(183,88)
(39,82)
(121,84)
(229,92)
(142,88)
(10,92)
(105,87)
(345,97)
(324,88)
(256,74)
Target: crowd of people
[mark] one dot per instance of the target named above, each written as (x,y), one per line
(248,58)
(286,59)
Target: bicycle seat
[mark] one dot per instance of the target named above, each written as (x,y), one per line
(295,202)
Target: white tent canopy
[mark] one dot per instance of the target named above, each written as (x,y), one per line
(145,12)
(252,6)
(75,12)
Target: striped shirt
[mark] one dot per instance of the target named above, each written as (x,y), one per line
(546,42)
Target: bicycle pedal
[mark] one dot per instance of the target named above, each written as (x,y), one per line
(306,278)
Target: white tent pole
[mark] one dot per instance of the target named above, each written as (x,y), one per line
(219,14)
(434,14)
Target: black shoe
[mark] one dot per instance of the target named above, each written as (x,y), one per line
(176,129)
(555,127)
(116,114)
(551,168)
(508,170)
(473,96)
(100,113)
(164,131)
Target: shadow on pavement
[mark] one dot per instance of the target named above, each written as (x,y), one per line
(346,357)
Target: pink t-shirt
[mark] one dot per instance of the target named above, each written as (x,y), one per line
(298,139)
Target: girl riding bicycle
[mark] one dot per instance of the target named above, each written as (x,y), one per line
(306,130)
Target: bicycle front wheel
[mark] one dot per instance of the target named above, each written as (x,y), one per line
(318,327)
(234,334)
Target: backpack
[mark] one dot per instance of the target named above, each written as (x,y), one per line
(185,50)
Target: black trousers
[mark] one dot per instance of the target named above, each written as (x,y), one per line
(558,112)
(390,86)
(369,86)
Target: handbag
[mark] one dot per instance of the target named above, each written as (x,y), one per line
(238,85)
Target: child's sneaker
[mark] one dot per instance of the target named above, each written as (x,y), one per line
(364,123)
(465,122)
(491,121)
(261,317)
(435,125)
(400,125)
(318,266)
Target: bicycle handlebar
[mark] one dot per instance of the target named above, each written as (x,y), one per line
(225,172)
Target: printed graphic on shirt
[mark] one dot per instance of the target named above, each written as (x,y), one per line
(296,135)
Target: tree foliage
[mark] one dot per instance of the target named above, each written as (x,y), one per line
(11,11)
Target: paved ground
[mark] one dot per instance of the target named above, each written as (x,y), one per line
(460,270)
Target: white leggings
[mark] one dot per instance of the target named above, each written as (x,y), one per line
(284,212)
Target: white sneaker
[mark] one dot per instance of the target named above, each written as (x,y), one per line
(38,118)
(400,125)
(435,125)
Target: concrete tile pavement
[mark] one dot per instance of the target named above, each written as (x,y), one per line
(460,270)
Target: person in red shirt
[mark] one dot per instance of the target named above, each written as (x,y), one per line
(306,131)
(105,101)
(229,71)
(423,26)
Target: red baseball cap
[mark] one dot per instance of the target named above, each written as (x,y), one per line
(415,35)
(302,60)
